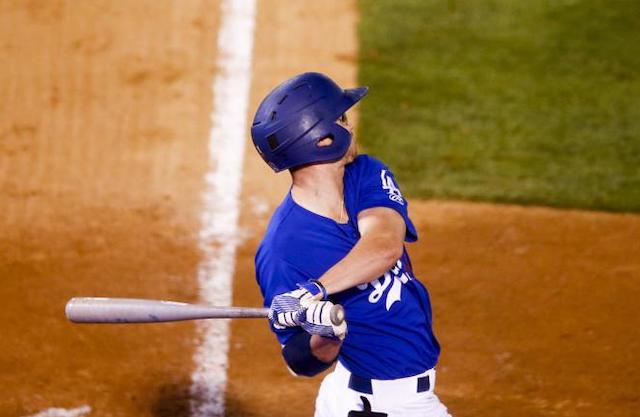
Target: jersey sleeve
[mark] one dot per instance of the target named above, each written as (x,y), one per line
(378,188)
(276,276)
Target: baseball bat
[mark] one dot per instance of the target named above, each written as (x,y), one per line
(134,310)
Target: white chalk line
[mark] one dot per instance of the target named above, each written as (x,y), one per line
(218,238)
(63,412)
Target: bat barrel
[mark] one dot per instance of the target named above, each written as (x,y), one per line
(128,310)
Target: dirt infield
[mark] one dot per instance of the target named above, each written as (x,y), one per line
(103,126)
(104,117)
(535,308)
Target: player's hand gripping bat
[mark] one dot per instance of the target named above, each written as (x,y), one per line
(134,310)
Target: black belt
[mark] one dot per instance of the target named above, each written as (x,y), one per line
(363,385)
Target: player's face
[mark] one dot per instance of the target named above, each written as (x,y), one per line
(352,152)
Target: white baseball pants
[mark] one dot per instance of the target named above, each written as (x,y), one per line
(395,398)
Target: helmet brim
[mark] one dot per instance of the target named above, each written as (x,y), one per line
(356,94)
(350,98)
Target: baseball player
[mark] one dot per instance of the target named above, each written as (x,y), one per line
(338,237)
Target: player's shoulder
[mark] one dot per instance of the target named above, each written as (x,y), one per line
(278,225)
(282,241)
(283,228)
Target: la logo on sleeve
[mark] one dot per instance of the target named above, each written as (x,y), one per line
(391,187)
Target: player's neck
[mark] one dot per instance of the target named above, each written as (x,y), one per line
(319,188)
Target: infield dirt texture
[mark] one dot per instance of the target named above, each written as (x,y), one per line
(104,123)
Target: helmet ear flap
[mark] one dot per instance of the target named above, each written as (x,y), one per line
(311,152)
(341,139)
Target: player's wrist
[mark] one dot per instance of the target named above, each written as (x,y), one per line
(315,288)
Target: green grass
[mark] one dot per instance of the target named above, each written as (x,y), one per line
(520,101)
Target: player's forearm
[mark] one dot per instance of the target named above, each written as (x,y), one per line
(369,259)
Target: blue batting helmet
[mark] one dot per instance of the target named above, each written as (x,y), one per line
(299,113)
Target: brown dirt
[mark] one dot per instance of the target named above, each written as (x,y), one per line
(535,308)
(103,129)
(104,117)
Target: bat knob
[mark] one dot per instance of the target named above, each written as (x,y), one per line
(69,309)
(337,314)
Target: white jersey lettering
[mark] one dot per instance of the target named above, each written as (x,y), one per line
(391,187)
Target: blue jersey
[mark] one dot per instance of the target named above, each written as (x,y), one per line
(389,320)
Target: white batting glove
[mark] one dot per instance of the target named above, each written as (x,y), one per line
(315,318)
(285,308)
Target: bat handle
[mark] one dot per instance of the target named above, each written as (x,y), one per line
(337,314)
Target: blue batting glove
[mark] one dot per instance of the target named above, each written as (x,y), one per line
(315,288)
